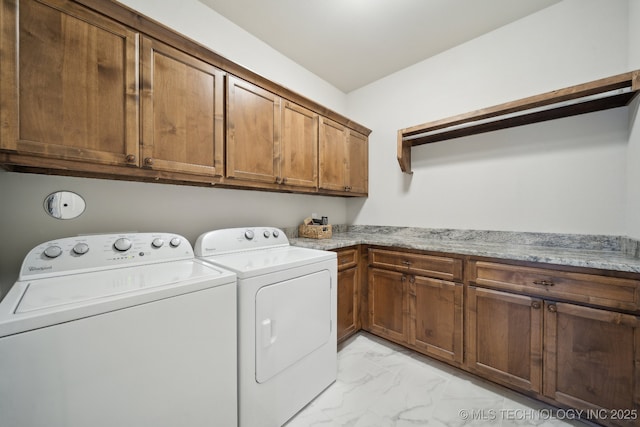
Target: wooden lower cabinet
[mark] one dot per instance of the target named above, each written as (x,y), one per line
(388,305)
(348,293)
(592,358)
(504,338)
(435,324)
(512,331)
(347,302)
(423,313)
(579,357)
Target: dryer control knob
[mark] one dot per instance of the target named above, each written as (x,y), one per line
(276,233)
(175,242)
(249,234)
(266,234)
(157,243)
(81,249)
(122,244)
(53,252)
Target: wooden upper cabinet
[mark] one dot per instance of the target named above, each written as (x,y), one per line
(299,147)
(182,111)
(253,132)
(68,83)
(358,162)
(333,155)
(344,158)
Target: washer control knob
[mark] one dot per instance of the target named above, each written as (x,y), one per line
(157,243)
(175,242)
(81,249)
(53,252)
(266,234)
(276,233)
(248,235)
(122,244)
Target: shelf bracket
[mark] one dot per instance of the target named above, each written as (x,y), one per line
(404,154)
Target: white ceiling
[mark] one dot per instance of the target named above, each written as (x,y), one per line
(351,43)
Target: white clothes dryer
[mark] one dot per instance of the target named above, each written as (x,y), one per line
(118,330)
(286,320)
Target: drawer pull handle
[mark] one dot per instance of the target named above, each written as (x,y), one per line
(536,305)
(553,308)
(543,282)
(407,263)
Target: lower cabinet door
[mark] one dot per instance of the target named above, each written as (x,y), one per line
(347,302)
(388,304)
(435,324)
(504,339)
(592,361)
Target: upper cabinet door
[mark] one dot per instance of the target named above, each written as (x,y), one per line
(182,111)
(333,155)
(344,158)
(358,164)
(299,148)
(72,92)
(253,132)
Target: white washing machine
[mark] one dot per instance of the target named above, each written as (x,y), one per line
(286,320)
(124,330)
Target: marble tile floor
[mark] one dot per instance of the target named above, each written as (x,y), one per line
(381,384)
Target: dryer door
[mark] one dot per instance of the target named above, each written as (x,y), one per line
(293,318)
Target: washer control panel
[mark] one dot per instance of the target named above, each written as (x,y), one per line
(102,251)
(231,240)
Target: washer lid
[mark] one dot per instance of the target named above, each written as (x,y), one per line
(62,290)
(264,261)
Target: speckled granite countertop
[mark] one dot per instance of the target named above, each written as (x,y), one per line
(594,251)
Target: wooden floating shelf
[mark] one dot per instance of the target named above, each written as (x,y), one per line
(603,94)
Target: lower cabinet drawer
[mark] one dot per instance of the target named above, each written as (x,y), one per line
(592,289)
(347,258)
(440,267)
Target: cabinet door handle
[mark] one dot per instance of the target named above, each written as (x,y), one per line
(543,282)
(130,158)
(535,305)
(148,161)
(553,308)
(404,278)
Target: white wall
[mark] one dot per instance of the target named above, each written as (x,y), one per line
(203,25)
(565,176)
(633,156)
(118,205)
